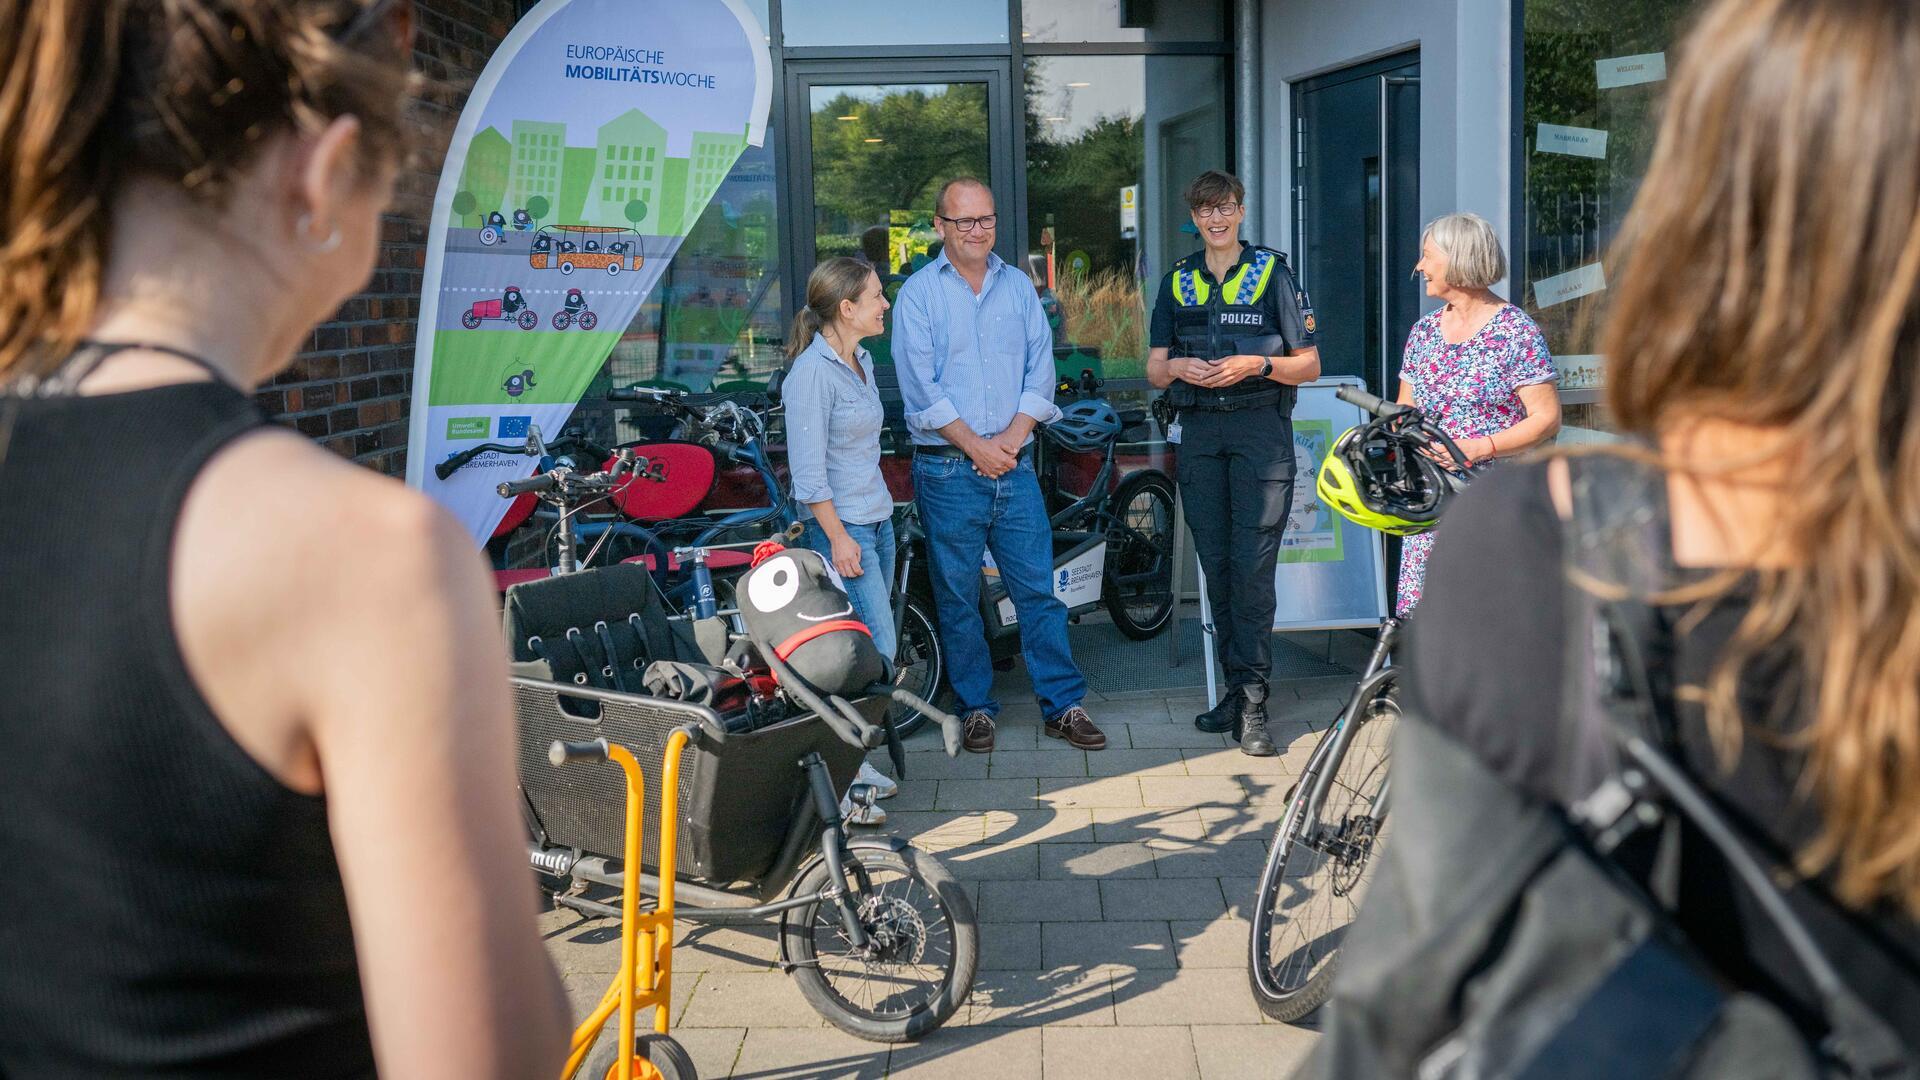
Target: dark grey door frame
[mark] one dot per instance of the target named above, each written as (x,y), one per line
(1384,74)
(796,132)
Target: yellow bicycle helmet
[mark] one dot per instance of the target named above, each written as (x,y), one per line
(1377,476)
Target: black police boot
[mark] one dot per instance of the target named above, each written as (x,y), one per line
(1250,728)
(1221,717)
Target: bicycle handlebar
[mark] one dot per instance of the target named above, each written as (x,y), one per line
(1368,403)
(456,462)
(537,482)
(641,393)
(1386,410)
(562,751)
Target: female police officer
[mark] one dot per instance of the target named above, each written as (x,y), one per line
(1232,336)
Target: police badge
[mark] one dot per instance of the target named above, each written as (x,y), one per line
(1306,311)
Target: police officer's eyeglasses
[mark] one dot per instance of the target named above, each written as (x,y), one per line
(1223,210)
(966,224)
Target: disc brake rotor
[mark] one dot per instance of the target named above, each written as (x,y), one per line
(895,931)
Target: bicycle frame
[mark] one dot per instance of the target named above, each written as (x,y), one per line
(1375,677)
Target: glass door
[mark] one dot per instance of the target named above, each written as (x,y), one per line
(870,143)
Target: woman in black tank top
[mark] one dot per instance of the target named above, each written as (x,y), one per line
(255,773)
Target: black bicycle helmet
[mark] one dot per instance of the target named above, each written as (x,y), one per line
(1382,478)
(1085,425)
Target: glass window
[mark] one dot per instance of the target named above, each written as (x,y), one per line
(1101,130)
(891,22)
(880,154)
(1593,80)
(1122,20)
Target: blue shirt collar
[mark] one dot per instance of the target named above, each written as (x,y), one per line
(994,262)
(821,345)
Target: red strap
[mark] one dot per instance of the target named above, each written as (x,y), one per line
(765,550)
(786,648)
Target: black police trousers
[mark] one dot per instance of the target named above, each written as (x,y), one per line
(1236,483)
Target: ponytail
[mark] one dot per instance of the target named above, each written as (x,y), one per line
(61,63)
(800,335)
(832,282)
(95,91)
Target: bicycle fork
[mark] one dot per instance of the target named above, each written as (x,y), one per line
(827,805)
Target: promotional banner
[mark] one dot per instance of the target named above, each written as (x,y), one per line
(591,144)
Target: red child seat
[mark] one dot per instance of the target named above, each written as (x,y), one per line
(676,480)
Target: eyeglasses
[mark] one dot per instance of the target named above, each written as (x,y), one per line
(1223,210)
(395,15)
(966,224)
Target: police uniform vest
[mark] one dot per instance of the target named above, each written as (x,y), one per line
(1212,322)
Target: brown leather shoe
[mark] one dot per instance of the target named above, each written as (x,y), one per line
(1077,728)
(976,730)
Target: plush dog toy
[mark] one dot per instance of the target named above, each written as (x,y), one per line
(803,625)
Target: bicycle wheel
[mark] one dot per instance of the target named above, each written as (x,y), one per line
(655,1057)
(919,665)
(1139,571)
(1314,883)
(922,949)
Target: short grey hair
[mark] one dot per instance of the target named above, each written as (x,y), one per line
(1472,247)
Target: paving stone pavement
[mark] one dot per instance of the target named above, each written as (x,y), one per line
(1110,888)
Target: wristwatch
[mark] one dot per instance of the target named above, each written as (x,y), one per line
(1266,367)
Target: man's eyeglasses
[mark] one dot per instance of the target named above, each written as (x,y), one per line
(1224,210)
(395,15)
(966,224)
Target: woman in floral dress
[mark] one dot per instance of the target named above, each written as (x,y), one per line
(1478,366)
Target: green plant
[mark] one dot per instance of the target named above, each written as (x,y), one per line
(538,207)
(1106,311)
(464,205)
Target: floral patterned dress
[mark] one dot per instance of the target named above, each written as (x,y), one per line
(1471,390)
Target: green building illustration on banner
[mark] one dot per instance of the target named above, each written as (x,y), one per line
(488,168)
(625,179)
(632,151)
(537,158)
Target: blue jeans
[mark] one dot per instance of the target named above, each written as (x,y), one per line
(965,514)
(872,591)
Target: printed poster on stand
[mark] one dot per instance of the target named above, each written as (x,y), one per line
(591,144)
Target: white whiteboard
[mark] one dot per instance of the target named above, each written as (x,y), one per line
(1331,573)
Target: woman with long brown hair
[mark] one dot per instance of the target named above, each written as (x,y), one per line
(1763,340)
(834,419)
(256,782)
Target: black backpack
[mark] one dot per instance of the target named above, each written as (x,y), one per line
(1504,939)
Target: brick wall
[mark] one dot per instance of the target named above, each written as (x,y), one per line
(352,388)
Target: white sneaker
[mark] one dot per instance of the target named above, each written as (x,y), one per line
(861,815)
(883,785)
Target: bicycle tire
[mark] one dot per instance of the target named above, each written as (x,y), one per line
(946,898)
(662,1055)
(1312,888)
(919,637)
(1136,622)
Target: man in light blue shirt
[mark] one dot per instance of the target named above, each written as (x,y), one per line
(975,358)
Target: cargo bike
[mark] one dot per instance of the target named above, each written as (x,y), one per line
(878,935)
